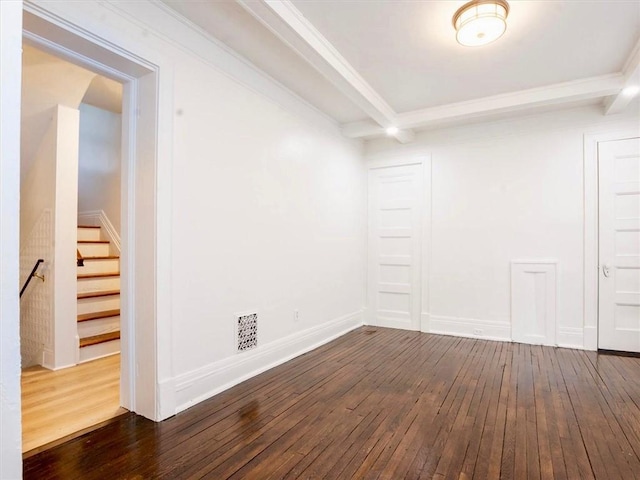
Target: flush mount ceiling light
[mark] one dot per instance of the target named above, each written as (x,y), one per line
(480,22)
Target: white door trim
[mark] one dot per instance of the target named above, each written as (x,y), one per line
(396,162)
(591,246)
(141,157)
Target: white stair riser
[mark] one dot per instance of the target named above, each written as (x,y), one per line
(93,249)
(100,266)
(98,326)
(89,234)
(99,284)
(98,304)
(100,350)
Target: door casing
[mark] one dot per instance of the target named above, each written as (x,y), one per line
(140,78)
(619,131)
(417,322)
(608,335)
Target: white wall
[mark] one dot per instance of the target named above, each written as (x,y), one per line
(48,211)
(99,162)
(65,238)
(503,191)
(10,59)
(38,189)
(37,205)
(268,216)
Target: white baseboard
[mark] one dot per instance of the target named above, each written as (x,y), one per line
(198,385)
(61,367)
(99,218)
(591,337)
(166,399)
(48,359)
(468,327)
(424,322)
(570,337)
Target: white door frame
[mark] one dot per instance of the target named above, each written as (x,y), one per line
(139,368)
(591,233)
(425,226)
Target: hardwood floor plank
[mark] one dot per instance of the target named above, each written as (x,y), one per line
(487,430)
(56,404)
(380,403)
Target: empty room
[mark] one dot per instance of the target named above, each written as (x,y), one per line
(320,239)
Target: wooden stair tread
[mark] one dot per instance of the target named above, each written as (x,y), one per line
(102,338)
(98,275)
(103,257)
(88,226)
(93,241)
(103,293)
(96,315)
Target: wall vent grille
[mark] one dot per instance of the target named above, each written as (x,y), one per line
(247,332)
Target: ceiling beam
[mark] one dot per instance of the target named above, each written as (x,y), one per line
(631,71)
(568,92)
(284,20)
(287,23)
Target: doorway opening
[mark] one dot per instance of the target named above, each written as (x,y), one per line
(70,218)
(138,82)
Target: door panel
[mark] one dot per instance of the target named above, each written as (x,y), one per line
(395,195)
(619,242)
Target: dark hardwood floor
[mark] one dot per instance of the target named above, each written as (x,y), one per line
(380,403)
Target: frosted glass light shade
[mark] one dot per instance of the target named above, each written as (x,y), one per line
(480,22)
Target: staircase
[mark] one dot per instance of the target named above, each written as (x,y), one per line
(98,295)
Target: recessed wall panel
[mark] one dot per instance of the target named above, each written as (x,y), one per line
(397,302)
(627,317)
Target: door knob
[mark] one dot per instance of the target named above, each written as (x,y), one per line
(606,270)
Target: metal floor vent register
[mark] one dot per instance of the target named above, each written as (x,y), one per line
(247,331)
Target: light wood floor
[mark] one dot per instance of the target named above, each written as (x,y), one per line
(58,404)
(387,404)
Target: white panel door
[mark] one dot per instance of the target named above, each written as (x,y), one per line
(395,200)
(619,241)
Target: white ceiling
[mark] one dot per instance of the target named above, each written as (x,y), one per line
(407,50)
(371,64)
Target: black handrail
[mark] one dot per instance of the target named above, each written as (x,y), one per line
(31,275)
